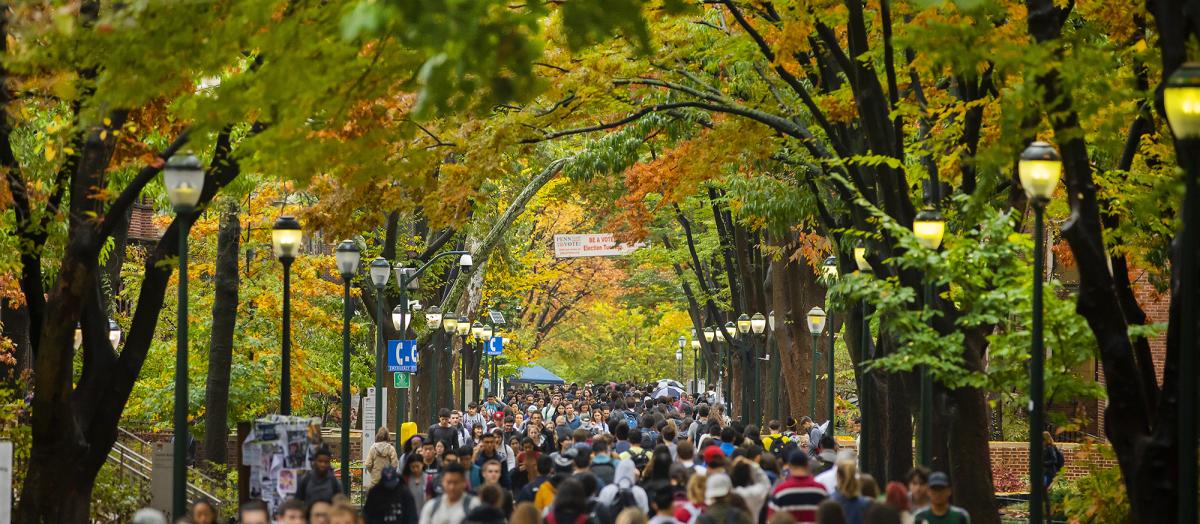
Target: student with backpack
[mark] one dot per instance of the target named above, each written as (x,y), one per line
(452,506)
(624,492)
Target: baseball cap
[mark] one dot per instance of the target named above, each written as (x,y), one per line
(716,486)
(711,453)
(389,477)
(531,409)
(939,480)
(797,458)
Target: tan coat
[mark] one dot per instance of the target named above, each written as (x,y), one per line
(381,455)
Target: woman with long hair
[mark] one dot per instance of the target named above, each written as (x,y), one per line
(381,455)
(659,466)
(414,478)
(848,494)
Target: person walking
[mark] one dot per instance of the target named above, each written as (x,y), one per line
(849,492)
(799,494)
(722,505)
(940,511)
(389,500)
(453,505)
(321,483)
(381,455)
(1052,463)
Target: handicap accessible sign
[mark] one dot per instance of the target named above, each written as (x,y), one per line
(402,356)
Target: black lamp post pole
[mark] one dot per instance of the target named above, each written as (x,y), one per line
(1036,370)
(829,396)
(179,464)
(285,380)
(345,455)
(812,394)
(379,358)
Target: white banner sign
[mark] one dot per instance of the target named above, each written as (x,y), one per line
(592,245)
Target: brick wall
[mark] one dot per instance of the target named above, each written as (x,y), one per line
(1078,459)
(1010,460)
(1157,307)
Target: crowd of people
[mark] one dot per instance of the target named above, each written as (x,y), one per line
(612,453)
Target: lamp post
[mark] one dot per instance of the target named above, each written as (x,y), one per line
(285,241)
(381,271)
(864,402)
(830,270)
(679,357)
(776,363)
(816,326)
(406,280)
(1039,169)
(745,349)
(183,177)
(929,227)
(433,321)
(730,347)
(1181,99)
(463,329)
(758,324)
(476,337)
(485,336)
(449,328)
(347,257)
(710,335)
(695,363)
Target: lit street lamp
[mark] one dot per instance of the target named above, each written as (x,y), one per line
(745,351)
(285,241)
(1039,169)
(347,256)
(183,177)
(830,270)
(433,321)
(864,401)
(731,346)
(449,328)
(758,324)
(1181,99)
(380,270)
(679,356)
(485,335)
(463,329)
(816,326)
(776,364)
(929,227)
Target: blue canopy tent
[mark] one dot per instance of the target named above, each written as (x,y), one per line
(536,374)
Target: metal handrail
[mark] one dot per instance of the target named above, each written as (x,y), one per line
(141,467)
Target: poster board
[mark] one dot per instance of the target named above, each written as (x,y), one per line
(279,451)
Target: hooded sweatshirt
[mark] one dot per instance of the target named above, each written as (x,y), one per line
(756,493)
(625,477)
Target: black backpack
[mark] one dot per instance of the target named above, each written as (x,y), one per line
(623,499)
(640,459)
(782,449)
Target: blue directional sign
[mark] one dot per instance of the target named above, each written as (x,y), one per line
(402,356)
(495,347)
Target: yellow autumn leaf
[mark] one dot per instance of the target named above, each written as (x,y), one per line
(50,153)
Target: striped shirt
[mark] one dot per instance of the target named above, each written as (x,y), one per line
(798,495)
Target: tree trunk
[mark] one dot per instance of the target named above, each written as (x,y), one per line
(220,347)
